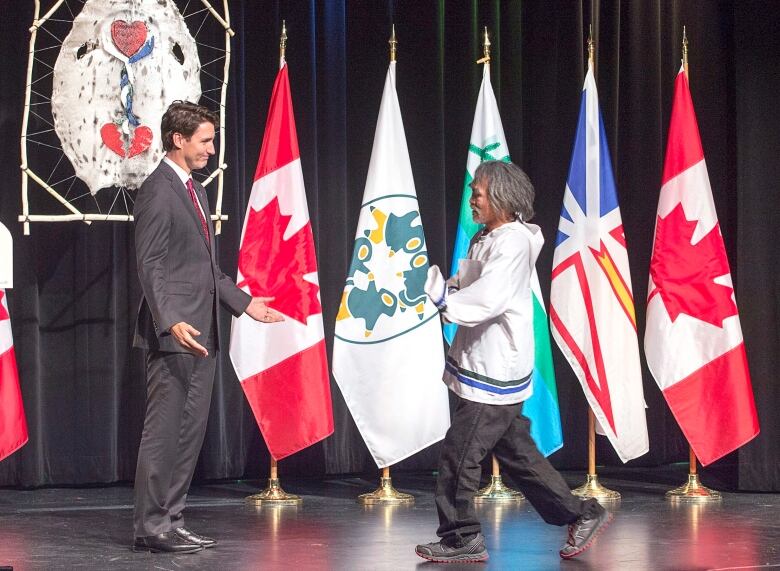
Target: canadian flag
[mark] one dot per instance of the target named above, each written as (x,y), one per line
(282,366)
(693,339)
(13,425)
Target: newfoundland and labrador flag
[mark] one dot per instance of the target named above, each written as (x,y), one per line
(282,366)
(591,304)
(388,351)
(489,143)
(13,424)
(693,339)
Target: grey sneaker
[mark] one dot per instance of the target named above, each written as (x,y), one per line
(472,552)
(583,532)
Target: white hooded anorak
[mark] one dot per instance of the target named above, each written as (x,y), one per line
(492,355)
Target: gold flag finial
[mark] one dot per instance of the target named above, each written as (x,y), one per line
(283,42)
(591,46)
(685,52)
(393,44)
(485,48)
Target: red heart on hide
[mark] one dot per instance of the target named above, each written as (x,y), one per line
(112,138)
(128,38)
(142,138)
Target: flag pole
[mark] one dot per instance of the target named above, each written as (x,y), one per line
(496,491)
(592,488)
(273,494)
(393,43)
(692,490)
(283,44)
(386,494)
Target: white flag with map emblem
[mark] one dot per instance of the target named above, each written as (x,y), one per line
(388,354)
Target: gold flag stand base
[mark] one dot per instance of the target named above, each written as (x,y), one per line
(385,494)
(693,491)
(592,488)
(274,495)
(497,492)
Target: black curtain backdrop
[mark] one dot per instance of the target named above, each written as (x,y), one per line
(76,289)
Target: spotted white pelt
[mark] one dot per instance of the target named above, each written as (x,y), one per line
(88,103)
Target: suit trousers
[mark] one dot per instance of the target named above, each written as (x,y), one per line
(178,398)
(477,429)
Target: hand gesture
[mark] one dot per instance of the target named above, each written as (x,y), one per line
(185,334)
(259,310)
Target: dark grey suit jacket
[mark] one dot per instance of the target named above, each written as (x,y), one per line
(179,277)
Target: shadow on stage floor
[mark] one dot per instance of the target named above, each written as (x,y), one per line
(91,529)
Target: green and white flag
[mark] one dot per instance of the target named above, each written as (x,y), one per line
(388,354)
(489,143)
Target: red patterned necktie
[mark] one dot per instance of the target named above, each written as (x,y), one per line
(196,204)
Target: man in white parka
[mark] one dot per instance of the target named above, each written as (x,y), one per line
(489,368)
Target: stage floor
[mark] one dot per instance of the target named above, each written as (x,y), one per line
(91,529)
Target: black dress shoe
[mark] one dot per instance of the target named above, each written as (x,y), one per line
(168,542)
(193,537)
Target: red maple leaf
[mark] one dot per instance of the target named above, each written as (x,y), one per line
(3,313)
(684,273)
(272,266)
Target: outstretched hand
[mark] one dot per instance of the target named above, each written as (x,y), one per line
(259,310)
(185,334)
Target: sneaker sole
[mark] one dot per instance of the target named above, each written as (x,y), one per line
(592,539)
(479,558)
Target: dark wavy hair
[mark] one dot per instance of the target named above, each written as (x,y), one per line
(509,189)
(184,117)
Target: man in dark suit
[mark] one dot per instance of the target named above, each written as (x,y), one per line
(177,323)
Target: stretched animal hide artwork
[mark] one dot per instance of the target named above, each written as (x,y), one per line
(119,69)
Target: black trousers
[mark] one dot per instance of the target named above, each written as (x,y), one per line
(477,429)
(178,396)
